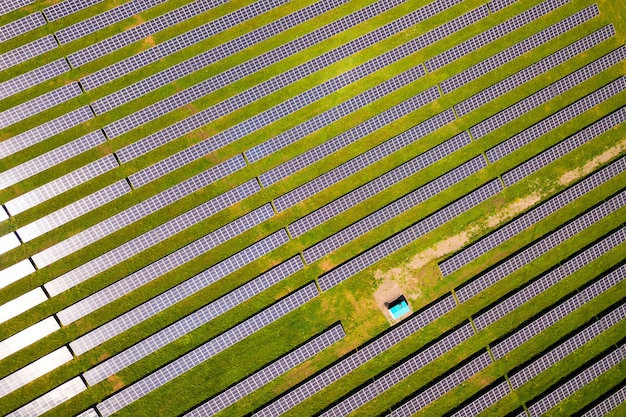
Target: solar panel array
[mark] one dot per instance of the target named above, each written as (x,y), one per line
(545,320)
(354,360)
(269,373)
(375,254)
(533,216)
(400,372)
(608,404)
(209,349)
(180,292)
(20,26)
(493,62)
(540,247)
(127,37)
(102,236)
(577,382)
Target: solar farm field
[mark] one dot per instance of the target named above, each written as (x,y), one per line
(208,207)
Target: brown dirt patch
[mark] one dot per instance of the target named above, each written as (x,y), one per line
(592,164)
(116,382)
(149,42)
(513,209)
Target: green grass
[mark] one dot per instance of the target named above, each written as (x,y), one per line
(352,302)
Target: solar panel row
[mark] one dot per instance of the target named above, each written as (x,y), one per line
(545,320)
(216,111)
(392,210)
(60,185)
(148,239)
(493,62)
(72,211)
(51,399)
(608,404)
(568,145)
(542,96)
(66,8)
(399,373)
(20,26)
(483,402)
(380,251)
(51,158)
(203,88)
(141,31)
(563,349)
(9,6)
(39,104)
(577,382)
(88,413)
(350,136)
(209,349)
(166,264)
(530,218)
(535,70)
(496,5)
(135,213)
(540,247)
(364,354)
(388,179)
(548,280)
(552,122)
(144,58)
(191,322)
(200,61)
(95,23)
(493,34)
(28,336)
(44,131)
(269,373)
(28,51)
(183,290)
(446,384)
(30,79)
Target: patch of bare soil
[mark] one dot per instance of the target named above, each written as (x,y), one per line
(116,382)
(149,42)
(591,165)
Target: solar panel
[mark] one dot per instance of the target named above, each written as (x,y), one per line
(495,61)
(533,71)
(173,45)
(154,270)
(183,290)
(51,399)
(381,183)
(544,95)
(34,370)
(28,51)
(493,34)
(136,212)
(8,242)
(200,354)
(144,30)
(385,214)
(110,17)
(88,413)
(380,251)
(21,26)
(566,146)
(60,185)
(540,247)
(66,8)
(191,322)
(44,131)
(496,5)
(484,401)
(608,404)
(28,336)
(399,373)
(152,237)
(556,313)
(22,303)
(269,373)
(364,354)
(530,218)
(565,348)
(577,382)
(15,272)
(51,158)
(39,104)
(9,6)
(552,122)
